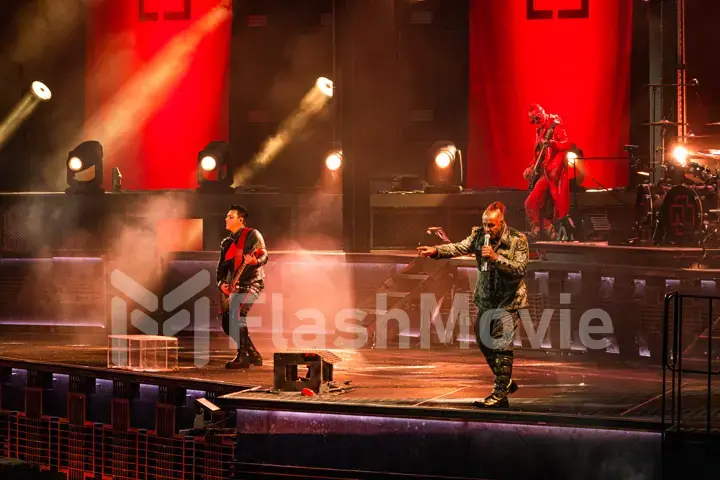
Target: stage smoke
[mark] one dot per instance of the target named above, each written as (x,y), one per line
(42,26)
(312,104)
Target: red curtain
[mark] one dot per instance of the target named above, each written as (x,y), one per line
(570,56)
(154,115)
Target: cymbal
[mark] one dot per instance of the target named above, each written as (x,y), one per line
(663,123)
(713,124)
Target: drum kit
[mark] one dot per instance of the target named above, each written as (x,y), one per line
(683,207)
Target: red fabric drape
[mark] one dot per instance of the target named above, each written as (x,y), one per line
(578,68)
(158,149)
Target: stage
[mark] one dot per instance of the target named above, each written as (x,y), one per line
(567,403)
(560,389)
(416,388)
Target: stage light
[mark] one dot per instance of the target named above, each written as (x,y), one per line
(680,155)
(75,164)
(444,158)
(334,160)
(208,163)
(571,158)
(41,91)
(85,168)
(445,172)
(325,85)
(574,160)
(212,169)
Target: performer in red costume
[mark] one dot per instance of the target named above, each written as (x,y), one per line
(552,187)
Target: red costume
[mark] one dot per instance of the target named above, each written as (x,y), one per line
(553,185)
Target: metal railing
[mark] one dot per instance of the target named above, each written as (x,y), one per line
(672,360)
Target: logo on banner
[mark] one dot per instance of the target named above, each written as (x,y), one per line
(535,14)
(149,16)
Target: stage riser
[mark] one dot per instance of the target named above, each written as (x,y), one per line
(58,224)
(442,447)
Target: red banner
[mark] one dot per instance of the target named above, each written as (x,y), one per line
(570,56)
(157,86)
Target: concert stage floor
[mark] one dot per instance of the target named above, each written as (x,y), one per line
(554,389)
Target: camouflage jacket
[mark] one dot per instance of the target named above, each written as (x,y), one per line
(503,284)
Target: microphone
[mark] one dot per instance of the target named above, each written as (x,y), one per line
(484,265)
(694,82)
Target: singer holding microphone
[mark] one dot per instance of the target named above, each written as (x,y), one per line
(500,292)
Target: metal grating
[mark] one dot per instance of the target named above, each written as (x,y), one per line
(97,451)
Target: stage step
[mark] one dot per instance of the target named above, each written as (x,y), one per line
(403,292)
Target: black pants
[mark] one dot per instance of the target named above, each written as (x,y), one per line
(495,331)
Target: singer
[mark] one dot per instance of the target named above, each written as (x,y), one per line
(500,292)
(549,198)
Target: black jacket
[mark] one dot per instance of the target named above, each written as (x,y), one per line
(253,274)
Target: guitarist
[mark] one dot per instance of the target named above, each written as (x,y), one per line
(244,250)
(550,186)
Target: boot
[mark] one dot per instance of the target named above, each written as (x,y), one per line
(490,359)
(550,232)
(503,384)
(253,356)
(241,359)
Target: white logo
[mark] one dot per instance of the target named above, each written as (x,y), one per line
(150,302)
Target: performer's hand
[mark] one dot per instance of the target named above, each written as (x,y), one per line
(225,288)
(489,253)
(251,259)
(527,174)
(427,251)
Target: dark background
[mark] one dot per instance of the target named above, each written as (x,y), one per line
(411,70)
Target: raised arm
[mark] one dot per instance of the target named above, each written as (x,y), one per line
(458,249)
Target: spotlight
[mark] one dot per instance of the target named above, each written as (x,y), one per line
(445,171)
(75,164)
(85,168)
(445,156)
(212,170)
(571,158)
(574,159)
(208,163)
(334,160)
(325,85)
(680,155)
(41,91)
